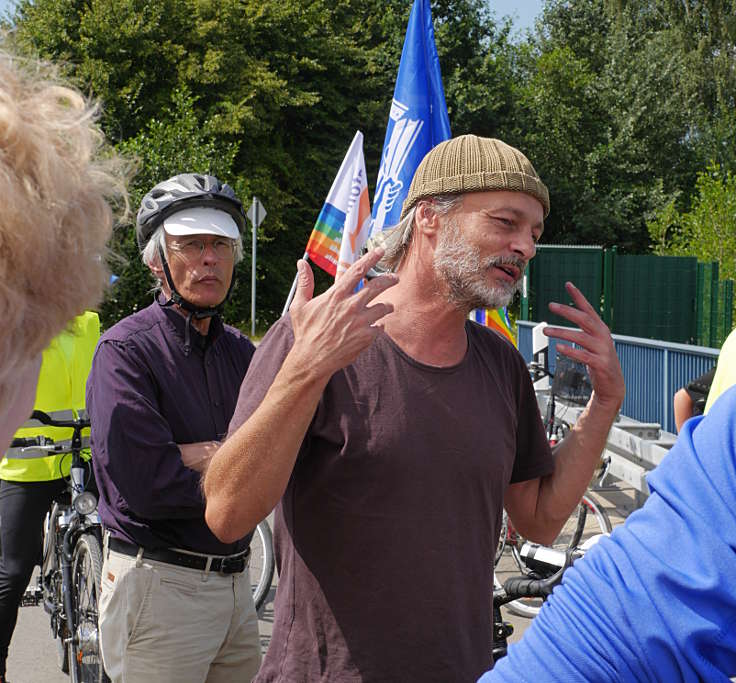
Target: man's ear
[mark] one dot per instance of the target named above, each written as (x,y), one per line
(157,269)
(426,220)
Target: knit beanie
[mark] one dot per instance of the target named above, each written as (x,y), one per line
(471,164)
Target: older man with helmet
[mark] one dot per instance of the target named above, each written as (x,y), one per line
(393,430)
(176,602)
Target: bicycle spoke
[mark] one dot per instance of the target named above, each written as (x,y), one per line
(86,665)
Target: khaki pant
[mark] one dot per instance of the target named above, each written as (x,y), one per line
(160,623)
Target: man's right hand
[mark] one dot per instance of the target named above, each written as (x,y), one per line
(332,329)
(251,470)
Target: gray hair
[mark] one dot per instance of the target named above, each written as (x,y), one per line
(150,257)
(397,239)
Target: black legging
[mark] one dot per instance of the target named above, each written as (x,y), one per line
(23,506)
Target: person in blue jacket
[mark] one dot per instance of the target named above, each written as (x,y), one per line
(657,600)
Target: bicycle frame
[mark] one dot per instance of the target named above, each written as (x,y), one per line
(65,525)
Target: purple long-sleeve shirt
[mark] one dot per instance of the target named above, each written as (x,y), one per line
(145,395)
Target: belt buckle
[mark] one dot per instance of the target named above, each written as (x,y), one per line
(232,565)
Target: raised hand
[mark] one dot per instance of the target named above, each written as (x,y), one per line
(597,350)
(333,328)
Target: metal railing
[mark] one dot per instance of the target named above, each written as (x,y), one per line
(653,372)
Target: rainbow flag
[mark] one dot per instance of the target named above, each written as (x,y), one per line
(495,318)
(346,211)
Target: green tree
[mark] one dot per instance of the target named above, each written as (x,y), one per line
(603,115)
(663,227)
(283,83)
(708,229)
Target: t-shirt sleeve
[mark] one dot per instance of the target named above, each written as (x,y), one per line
(698,390)
(533,454)
(262,371)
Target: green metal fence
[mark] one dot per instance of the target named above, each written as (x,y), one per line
(654,297)
(725,311)
(707,296)
(670,298)
(552,267)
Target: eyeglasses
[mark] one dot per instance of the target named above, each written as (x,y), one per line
(193,249)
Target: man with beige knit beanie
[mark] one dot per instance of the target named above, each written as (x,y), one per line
(390,431)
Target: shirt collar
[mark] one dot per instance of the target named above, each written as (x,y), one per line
(177,322)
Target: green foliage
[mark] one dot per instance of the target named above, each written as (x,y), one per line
(280,86)
(708,229)
(476,61)
(663,228)
(606,118)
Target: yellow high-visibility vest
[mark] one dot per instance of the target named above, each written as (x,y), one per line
(60,393)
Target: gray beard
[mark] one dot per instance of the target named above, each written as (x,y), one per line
(461,267)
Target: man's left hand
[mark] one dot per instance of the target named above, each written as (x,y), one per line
(596,347)
(197,456)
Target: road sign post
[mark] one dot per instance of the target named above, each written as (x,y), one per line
(256,213)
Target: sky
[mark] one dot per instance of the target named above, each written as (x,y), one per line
(5,5)
(523,12)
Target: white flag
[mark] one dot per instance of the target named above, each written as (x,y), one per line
(353,199)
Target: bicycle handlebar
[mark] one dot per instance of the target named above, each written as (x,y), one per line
(516,587)
(41,444)
(527,587)
(44,443)
(538,370)
(28,443)
(43,418)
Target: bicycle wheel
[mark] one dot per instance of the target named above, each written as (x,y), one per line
(85,662)
(261,564)
(588,519)
(502,538)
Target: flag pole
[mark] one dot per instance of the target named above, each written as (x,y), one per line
(292,291)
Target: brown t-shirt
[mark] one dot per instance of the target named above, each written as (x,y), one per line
(386,532)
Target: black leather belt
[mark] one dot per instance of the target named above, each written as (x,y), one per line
(232,564)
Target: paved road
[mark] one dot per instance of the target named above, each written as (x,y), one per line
(33,657)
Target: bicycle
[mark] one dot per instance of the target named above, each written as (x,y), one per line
(71,563)
(261,564)
(551,564)
(587,522)
(569,383)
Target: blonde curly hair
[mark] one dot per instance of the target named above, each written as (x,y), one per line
(60,184)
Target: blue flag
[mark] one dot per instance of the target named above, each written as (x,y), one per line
(417,120)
